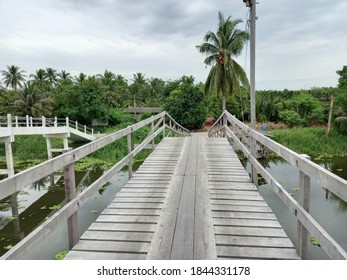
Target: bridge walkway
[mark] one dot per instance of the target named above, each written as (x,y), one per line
(190,199)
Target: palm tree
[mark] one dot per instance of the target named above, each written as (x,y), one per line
(107,78)
(64,77)
(31,101)
(40,77)
(13,77)
(80,78)
(51,76)
(139,78)
(226,74)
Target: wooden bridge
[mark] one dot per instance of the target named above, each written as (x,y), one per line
(190,199)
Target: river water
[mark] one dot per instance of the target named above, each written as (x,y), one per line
(39,200)
(326,208)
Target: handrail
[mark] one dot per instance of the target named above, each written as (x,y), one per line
(22,122)
(307,168)
(66,160)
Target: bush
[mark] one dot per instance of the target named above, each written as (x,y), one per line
(341,123)
(290,118)
(186,104)
(117,116)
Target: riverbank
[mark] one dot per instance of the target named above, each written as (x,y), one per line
(312,141)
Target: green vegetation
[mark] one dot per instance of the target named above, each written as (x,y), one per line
(305,141)
(61,255)
(186,104)
(314,241)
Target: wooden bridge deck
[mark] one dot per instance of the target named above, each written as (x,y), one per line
(190,199)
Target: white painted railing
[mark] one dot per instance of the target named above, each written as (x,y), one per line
(307,170)
(28,122)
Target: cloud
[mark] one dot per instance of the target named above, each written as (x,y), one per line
(296,41)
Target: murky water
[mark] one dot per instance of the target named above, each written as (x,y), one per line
(327,209)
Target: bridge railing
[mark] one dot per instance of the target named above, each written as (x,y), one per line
(307,170)
(158,124)
(28,121)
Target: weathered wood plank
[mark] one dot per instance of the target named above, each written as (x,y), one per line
(239,208)
(112,246)
(248,231)
(204,239)
(85,255)
(257,253)
(244,215)
(246,223)
(120,199)
(115,211)
(136,205)
(183,242)
(253,241)
(238,202)
(117,236)
(123,227)
(127,219)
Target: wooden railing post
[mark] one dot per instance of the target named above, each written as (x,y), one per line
(67,122)
(43,121)
(16,120)
(76,124)
(27,120)
(304,201)
(169,134)
(130,163)
(31,121)
(85,129)
(55,121)
(70,194)
(152,125)
(9,120)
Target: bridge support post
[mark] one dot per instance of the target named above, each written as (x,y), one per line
(70,193)
(304,201)
(130,164)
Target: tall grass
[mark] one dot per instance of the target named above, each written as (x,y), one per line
(312,141)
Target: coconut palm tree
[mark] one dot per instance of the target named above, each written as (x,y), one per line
(32,102)
(13,77)
(64,77)
(107,78)
(226,74)
(51,76)
(80,78)
(39,78)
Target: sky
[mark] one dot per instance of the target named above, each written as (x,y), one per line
(299,44)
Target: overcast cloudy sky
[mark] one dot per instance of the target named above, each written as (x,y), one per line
(300,44)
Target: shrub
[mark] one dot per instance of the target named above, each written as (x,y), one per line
(290,117)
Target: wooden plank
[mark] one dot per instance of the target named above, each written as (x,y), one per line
(183,242)
(125,194)
(181,166)
(256,197)
(120,199)
(112,246)
(233,192)
(257,253)
(117,236)
(239,208)
(85,255)
(127,219)
(123,227)
(244,215)
(145,190)
(146,212)
(246,223)
(248,231)
(204,239)
(253,241)
(162,239)
(238,202)
(136,205)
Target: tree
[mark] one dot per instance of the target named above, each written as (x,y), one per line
(31,101)
(186,104)
(226,74)
(343,77)
(40,77)
(51,76)
(80,78)
(13,77)
(64,77)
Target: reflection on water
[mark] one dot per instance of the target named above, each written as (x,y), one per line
(329,211)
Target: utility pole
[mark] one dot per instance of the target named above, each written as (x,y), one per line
(253,18)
